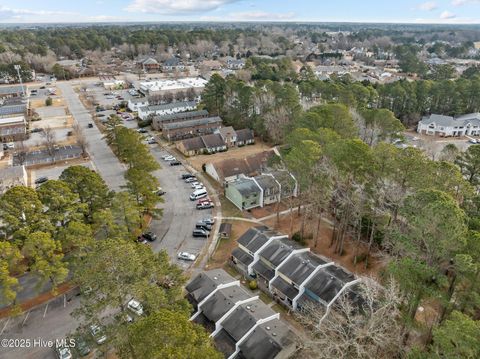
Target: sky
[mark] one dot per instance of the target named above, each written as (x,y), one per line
(403,11)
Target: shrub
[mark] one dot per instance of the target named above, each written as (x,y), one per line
(253,284)
(48,101)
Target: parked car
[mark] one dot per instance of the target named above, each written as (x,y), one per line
(98,333)
(149,236)
(90,125)
(63,352)
(135,306)
(195,183)
(186,256)
(151,141)
(142,130)
(472,140)
(205,205)
(190,179)
(38,129)
(198,186)
(175,163)
(187,175)
(200,233)
(209,220)
(41,180)
(9,146)
(70,133)
(206,199)
(160,192)
(101,115)
(201,225)
(81,346)
(170,159)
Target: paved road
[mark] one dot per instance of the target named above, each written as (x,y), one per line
(105,162)
(174,231)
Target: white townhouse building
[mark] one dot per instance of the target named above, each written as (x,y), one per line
(448,126)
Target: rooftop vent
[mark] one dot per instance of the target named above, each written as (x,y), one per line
(274,334)
(267,328)
(248,307)
(215,278)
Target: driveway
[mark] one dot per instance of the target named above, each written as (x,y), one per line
(104,160)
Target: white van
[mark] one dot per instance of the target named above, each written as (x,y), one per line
(199,193)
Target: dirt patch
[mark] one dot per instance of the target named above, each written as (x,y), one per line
(226,246)
(323,246)
(268,210)
(235,152)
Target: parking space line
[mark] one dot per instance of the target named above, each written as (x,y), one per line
(5,326)
(64,300)
(45,311)
(25,319)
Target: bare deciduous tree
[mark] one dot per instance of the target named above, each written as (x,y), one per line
(49,140)
(366,328)
(81,139)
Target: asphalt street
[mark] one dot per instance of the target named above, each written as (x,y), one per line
(173,229)
(105,162)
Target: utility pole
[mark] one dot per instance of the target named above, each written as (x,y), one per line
(17,67)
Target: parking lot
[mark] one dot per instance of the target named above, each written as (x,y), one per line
(49,321)
(174,229)
(54,172)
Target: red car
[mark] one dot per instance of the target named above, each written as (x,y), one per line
(204,200)
(205,205)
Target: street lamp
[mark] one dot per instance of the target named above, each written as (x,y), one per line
(17,67)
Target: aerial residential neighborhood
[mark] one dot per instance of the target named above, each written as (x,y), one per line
(223,179)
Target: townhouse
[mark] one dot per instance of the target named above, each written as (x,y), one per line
(159,120)
(241,325)
(448,126)
(166,109)
(186,129)
(291,274)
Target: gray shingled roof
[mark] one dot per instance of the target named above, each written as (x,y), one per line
(222,301)
(278,250)
(244,317)
(244,134)
(449,121)
(242,256)
(181,116)
(245,186)
(267,182)
(266,341)
(263,270)
(6,90)
(206,282)
(193,144)
(251,238)
(328,281)
(192,123)
(284,287)
(213,140)
(300,266)
(168,106)
(13,109)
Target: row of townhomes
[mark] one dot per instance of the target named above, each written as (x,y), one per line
(290,273)
(448,126)
(250,182)
(222,139)
(242,326)
(165,109)
(13,113)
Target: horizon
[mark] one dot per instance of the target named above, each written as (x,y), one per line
(418,12)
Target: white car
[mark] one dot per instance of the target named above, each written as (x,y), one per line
(170,159)
(196,183)
(63,352)
(135,306)
(198,186)
(186,256)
